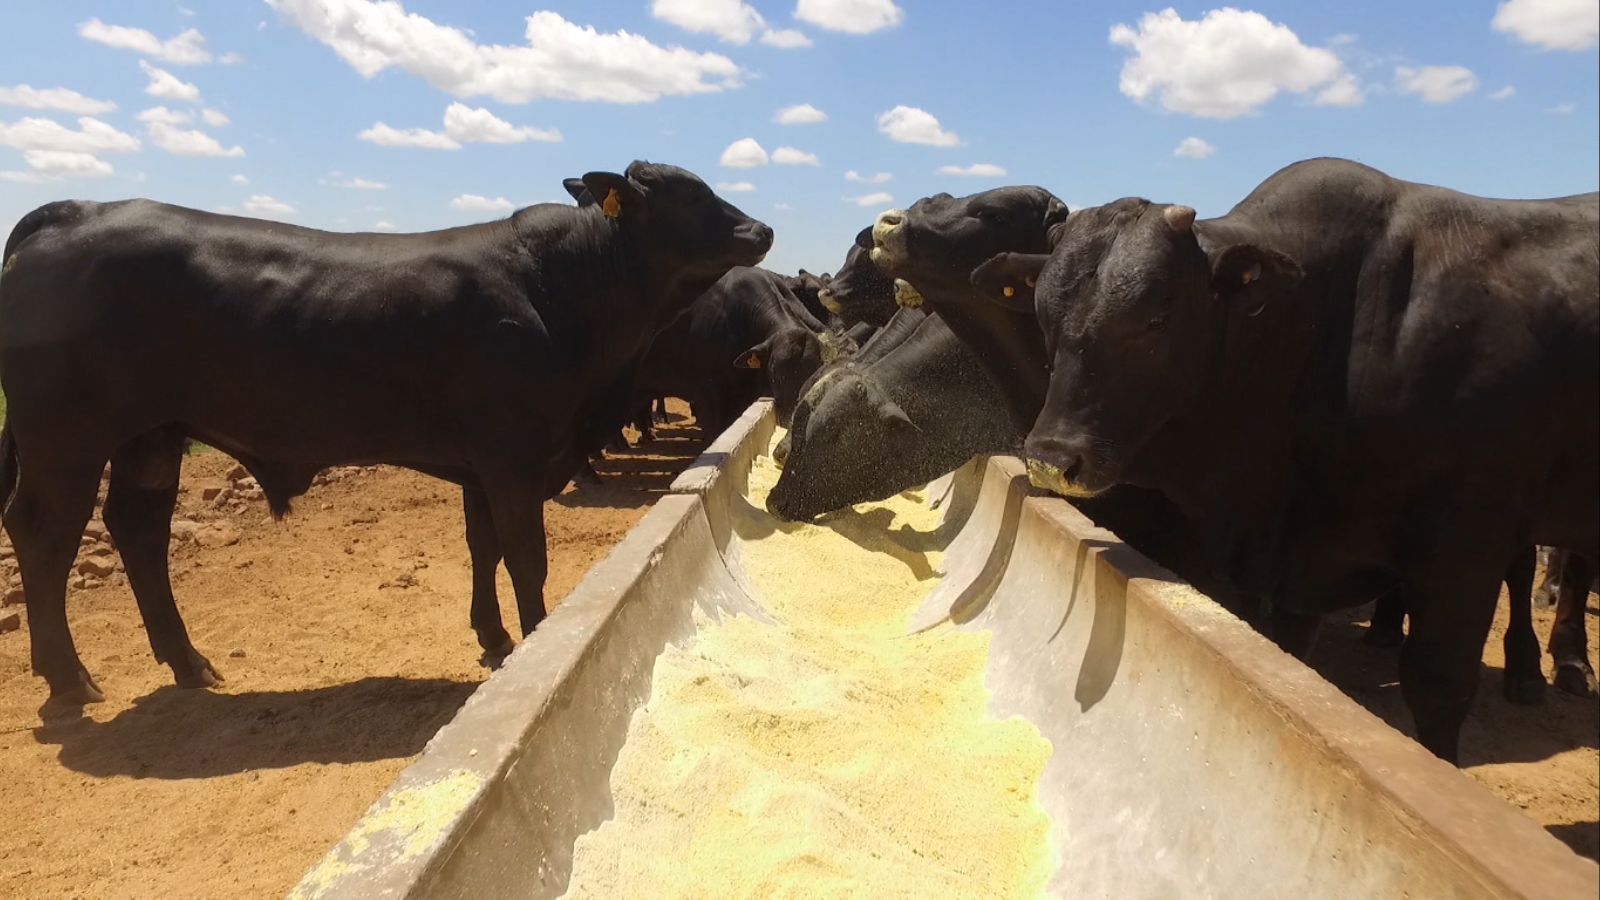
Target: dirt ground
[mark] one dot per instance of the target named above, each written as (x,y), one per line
(343,634)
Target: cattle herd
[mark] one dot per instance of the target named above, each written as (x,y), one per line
(1348,388)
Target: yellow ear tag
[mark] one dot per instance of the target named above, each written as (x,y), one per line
(752,362)
(1009,291)
(612,205)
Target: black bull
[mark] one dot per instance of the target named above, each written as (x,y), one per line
(473,354)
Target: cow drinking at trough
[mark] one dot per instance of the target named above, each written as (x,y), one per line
(1387,385)
(474,354)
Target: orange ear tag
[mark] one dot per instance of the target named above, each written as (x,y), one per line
(1009,291)
(612,205)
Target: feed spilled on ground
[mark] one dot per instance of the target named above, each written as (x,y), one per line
(827,751)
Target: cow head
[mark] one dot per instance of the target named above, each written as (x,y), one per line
(937,243)
(1133,309)
(679,219)
(824,469)
(789,358)
(859,291)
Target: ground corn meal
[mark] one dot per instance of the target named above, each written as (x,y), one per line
(829,754)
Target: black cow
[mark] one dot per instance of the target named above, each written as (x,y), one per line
(474,354)
(808,289)
(746,336)
(1568,580)
(860,292)
(1379,384)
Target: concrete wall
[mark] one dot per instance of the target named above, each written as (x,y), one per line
(1191,757)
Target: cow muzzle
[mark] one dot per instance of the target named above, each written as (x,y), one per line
(888,237)
(829,302)
(1049,477)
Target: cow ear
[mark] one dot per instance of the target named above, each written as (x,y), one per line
(618,195)
(578,190)
(1008,279)
(755,357)
(1254,274)
(864,238)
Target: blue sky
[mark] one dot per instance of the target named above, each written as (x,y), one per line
(260,108)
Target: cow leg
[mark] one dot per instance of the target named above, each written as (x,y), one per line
(1442,658)
(1569,637)
(1550,586)
(53,500)
(1387,628)
(1524,679)
(518,510)
(483,542)
(139,504)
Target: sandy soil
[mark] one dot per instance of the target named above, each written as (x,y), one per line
(343,634)
(336,677)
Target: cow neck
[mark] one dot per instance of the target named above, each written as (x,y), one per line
(1008,345)
(932,365)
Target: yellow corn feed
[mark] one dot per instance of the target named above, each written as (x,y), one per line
(829,754)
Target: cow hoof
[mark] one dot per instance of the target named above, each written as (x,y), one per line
(1387,638)
(82,691)
(200,674)
(493,656)
(1527,690)
(1575,679)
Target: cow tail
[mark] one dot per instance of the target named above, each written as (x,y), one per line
(10,470)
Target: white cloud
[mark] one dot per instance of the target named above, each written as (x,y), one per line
(186,49)
(910,125)
(1552,24)
(164,127)
(800,114)
(53,98)
(167,86)
(1343,39)
(785,39)
(15,177)
(850,16)
(976,170)
(1193,148)
(385,136)
(735,187)
(878,198)
(381,225)
(1505,93)
(239,180)
(560,61)
(874,178)
(1436,84)
(789,156)
(216,118)
(744,153)
(93,136)
(1562,109)
(66,164)
(361,184)
(780,206)
(479,126)
(733,21)
(1344,91)
(1227,64)
(476,203)
(263,205)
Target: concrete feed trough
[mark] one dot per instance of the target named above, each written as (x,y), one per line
(1191,757)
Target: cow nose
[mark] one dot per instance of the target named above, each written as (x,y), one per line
(1056,465)
(890,220)
(763,233)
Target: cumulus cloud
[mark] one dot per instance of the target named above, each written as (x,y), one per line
(239,180)
(1193,148)
(735,187)
(910,125)
(214,117)
(167,86)
(264,205)
(1505,93)
(789,156)
(800,114)
(1344,91)
(93,136)
(744,153)
(785,39)
(360,184)
(477,203)
(1227,64)
(66,164)
(874,178)
(877,198)
(1436,84)
(165,128)
(976,170)
(186,49)
(1562,109)
(462,125)
(381,225)
(53,98)
(560,61)
(733,21)
(15,177)
(850,16)
(1551,24)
